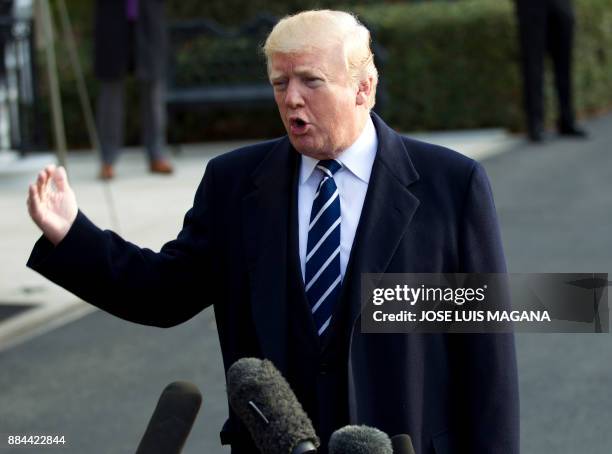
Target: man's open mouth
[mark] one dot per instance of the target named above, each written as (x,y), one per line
(297,125)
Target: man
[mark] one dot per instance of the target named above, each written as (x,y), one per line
(130,36)
(547,26)
(279,235)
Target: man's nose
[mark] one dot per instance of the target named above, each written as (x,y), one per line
(293,95)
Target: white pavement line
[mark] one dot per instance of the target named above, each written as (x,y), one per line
(485,151)
(39,321)
(477,144)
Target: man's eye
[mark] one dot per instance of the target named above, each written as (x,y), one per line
(313,80)
(279,85)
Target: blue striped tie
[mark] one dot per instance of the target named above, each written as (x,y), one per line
(323,278)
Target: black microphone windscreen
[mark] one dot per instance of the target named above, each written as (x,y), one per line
(265,403)
(402,444)
(172,419)
(359,440)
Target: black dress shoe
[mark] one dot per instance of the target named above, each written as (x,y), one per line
(573,131)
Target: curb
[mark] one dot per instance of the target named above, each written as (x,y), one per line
(43,319)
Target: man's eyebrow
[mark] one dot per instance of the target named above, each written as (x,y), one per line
(309,72)
(301,72)
(277,77)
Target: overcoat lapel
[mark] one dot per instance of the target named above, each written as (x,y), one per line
(385,218)
(387,211)
(266,215)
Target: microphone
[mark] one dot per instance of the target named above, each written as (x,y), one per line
(265,403)
(359,440)
(402,444)
(172,419)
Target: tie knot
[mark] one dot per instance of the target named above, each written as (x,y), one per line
(329,166)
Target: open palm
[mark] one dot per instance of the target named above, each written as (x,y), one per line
(52,204)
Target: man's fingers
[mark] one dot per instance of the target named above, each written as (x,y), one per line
(33,201)
(41,183)
(43,179)
(60,179)
(50,170)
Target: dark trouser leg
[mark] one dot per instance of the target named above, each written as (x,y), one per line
(110,119)
(153,118)
(532,33)
(561,41)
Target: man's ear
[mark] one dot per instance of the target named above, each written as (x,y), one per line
(364,89)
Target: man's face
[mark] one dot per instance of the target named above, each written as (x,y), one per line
(317,101)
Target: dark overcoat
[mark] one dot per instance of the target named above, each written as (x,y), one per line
(427,209)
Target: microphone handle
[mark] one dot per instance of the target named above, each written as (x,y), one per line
(305,447)
(402,444)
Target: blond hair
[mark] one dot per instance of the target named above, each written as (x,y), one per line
(320,29)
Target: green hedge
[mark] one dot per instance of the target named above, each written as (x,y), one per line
(231,12)
(457,65)
(450,65)
(593,56)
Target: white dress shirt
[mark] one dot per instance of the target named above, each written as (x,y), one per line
(352,182)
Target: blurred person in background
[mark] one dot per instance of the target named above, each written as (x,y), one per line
(130,37)
(6,12)
(547,26)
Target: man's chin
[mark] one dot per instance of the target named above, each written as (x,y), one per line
(314,154)
(305,148)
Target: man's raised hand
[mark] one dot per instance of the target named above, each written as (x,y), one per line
(52,204)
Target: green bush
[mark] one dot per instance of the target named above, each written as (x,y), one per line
(450,65)
(457,65)
(232,12)
(593,56)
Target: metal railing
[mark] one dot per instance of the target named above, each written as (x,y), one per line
(18,109)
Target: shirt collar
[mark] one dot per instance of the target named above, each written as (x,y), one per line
(358,158)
